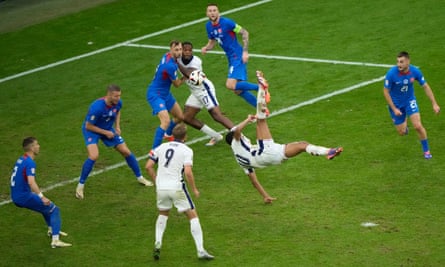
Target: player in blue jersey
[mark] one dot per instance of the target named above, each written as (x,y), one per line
(25,193)
(159,96)
(399,94)
(102,114)
(223,31)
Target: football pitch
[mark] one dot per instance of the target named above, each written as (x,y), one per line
(379,204)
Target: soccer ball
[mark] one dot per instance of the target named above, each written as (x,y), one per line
(196,77)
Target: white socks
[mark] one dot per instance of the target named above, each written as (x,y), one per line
(317,150)
(210,132)
(161,225)
(196,230)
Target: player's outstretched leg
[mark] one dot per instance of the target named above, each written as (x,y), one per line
(263,96)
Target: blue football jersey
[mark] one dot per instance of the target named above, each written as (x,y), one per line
(166,72)
(102,115)
(20,190)
(401,85)
(225,36)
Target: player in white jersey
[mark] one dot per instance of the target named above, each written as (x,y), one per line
(266,152)
(202,96)
(174,160)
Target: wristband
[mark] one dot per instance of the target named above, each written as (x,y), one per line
(40,195)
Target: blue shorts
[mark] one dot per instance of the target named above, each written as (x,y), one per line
(93,138)
(407,110)
(35,203)
(238,70)
(159,104)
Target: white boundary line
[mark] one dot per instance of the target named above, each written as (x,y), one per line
(364,64)
(2,80)
(196,140)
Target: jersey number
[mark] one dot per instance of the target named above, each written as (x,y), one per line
(168,156)
(14,173)
(242,161)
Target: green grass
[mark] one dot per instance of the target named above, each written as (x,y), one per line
(316,219)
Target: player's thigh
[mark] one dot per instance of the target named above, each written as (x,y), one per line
(164,199)
(35,203)
(182,201)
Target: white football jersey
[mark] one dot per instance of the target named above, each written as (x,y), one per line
(171,158)
(195,63)
(264,153)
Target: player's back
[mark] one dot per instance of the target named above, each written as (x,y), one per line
(20,189)
(171,158)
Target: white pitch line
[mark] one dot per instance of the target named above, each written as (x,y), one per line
(316,60)
(21,74)
(196,140)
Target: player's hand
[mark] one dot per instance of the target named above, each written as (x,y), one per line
(251,118)
(118,131)
(397,112)
(204,50)
(46,201)
(436,108)
(109,134)
(269,199)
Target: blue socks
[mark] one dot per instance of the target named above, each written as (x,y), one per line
(245,87)
(251,99)
(159,135)
(86,169)
(133,164)
(425,145)
(170,127)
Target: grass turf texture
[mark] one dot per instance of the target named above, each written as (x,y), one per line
(381,177)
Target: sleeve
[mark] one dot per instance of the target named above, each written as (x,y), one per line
(93,113)
(387,81)
(188,159)
(419,77)
(30,169)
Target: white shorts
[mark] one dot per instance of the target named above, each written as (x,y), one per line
(179,198)
(272,153)
(202,96)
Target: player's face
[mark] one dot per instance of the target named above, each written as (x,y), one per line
(213,13)
(114,97)
(35,147)
(176,51)
(187,51)
(403,64)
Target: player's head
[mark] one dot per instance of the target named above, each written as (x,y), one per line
(176,48)
(30,144)
(229,138)
(212,12)
(113,94)
(187,52)
(403,61)
(180,132)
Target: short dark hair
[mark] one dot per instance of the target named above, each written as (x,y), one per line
(187,43)
(27,142)
(229,138)
(113,88)
(403,54)
(180,131)
(212,4)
